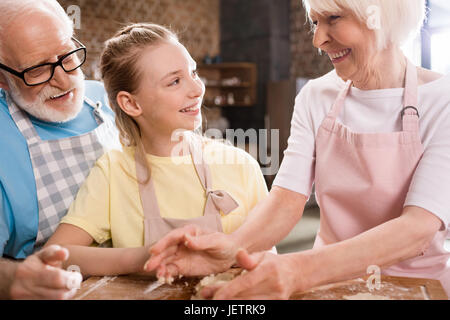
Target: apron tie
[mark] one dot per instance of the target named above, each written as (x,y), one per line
(217,201)
(222,200)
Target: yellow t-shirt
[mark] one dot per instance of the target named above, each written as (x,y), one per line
(108,204)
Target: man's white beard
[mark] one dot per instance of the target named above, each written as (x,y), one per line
(39,110)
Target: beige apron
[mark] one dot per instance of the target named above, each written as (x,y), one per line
(217,201)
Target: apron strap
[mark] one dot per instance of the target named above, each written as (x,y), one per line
(22,121)
(411,85)
(147,194)
(339,102)
(216,200)
(147,190)
(409,114)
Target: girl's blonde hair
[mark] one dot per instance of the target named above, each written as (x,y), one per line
(119,71)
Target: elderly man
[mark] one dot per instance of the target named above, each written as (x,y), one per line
(54,126)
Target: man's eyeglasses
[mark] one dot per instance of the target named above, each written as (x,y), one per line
(43,73)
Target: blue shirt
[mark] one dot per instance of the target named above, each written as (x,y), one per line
(19,213)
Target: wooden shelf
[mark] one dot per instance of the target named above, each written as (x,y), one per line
(229,81)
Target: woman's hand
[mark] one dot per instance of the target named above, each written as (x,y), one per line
(190,251)
(270,277)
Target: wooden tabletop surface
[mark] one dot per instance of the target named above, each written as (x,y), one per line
(138,287)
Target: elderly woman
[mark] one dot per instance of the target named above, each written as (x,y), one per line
(374,137)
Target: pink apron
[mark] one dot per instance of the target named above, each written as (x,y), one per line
(362,180)
(217,201)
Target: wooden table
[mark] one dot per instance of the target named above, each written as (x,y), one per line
(135,287)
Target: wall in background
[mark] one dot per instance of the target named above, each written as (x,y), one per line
(306,61)
(274,34)
(195,21)
(256,31)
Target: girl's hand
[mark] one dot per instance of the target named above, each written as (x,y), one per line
(190,251)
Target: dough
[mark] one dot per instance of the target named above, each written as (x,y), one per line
(218,279)
(167,280)
(366,296)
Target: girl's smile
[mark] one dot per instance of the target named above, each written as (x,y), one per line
(192,110)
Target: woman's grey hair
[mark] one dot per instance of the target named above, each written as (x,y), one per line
(10,9)
(399,20)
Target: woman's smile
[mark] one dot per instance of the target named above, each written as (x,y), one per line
(339,56)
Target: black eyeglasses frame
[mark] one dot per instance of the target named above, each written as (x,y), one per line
(21,75)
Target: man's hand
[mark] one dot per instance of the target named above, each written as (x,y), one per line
(40,276)
(190,251)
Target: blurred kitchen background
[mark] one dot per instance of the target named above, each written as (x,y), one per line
(254,56)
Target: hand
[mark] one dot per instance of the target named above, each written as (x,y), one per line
(40,276)
(190,251)
(270,277)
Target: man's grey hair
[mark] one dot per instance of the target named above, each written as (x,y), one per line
(10,9)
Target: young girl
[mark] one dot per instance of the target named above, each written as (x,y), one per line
(166,176)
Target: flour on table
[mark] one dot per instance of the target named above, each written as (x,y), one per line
(365,296)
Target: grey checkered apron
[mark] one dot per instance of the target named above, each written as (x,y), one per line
(61,166)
